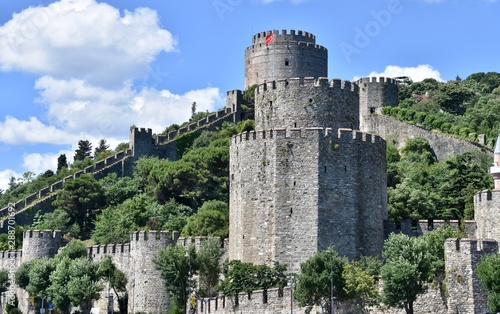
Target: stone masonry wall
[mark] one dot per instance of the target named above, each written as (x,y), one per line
(465,291)
(374,94)
(293,54)
(352,193)
(290,197)
(487,214)
(307,102)
(396,133)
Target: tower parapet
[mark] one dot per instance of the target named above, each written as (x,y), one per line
(292,54)
(307,102)
(40,243)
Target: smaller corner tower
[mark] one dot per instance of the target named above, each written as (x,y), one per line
(40,243)
(141,142)
(374,94)
(148,294)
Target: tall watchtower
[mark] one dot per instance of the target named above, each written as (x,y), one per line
(285,55)
(305,179)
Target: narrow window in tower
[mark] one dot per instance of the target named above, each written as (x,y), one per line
(287,63)
(271,104)
(310,101)
(295,124)
(291,212)
(372,110)
(294,183)
(325,169)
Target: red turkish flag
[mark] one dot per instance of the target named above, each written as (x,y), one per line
(269,39)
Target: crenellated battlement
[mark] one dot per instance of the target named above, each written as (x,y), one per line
(108,249)
(154,236)
(472,246)
(305,82)
(284,37)
(12,254)
(375,79)
(345,135)
(47,234)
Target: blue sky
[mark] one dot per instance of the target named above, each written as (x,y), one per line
(87,69)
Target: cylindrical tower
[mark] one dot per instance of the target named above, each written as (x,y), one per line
(148,289)
(307,102)
(287,55)
(40,243)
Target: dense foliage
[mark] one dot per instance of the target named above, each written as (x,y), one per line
(420,187)
(70,278)
(465,108)
(488,272)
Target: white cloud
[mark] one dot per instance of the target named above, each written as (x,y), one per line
(39,163)
(417,73)
(5,176)
(14,131)
(79,108)
(87,55)
(83,39)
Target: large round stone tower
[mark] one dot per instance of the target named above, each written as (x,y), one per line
(286,55)
(306,180)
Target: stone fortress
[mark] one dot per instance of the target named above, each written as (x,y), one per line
(311,175)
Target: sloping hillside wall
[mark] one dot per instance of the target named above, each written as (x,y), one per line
(397,132)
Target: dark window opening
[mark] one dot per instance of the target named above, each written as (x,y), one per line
(325,169)
(287,63)
(295,124)
(372,110)
(291,211)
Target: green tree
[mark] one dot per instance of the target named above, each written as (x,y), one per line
(488,272)
(177,266)
(102,150)
(317,276)
(208,257)
(360,286)
(407,266)
(81,198)
(212,219)
(62,162)
(434,242)
(83,151)
(117,281)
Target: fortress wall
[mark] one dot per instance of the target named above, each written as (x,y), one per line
(396,133)
(307,102)
(465,291)
(422,227)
